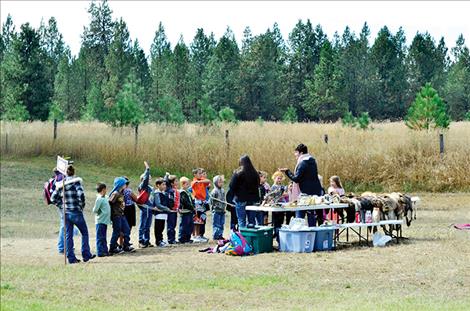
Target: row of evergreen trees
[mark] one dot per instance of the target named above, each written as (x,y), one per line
(306,77)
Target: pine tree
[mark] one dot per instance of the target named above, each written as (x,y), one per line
(96,41)
(426,62)
(161,57)
(117,63)
(305,44)
(261,77)
(201,50)
(180,77)
(127,111)
(388,59)
(323,101)
(457,87)
(427,111)
(221,83)
(25,77)
(141,69)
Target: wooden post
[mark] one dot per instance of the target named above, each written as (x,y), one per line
(136,137)
(441,145)
(227,147)
(65,230)
(55,129)
(6,142)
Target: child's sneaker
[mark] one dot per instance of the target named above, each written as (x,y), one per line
(129,249)
(204,239)
(149,244)
(142,245)
(161,244)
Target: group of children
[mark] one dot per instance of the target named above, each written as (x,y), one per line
(169,198)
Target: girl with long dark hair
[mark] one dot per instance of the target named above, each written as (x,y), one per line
(244,188)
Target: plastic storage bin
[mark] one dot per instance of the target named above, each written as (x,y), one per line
(261,238)
(323,238)
(297,241)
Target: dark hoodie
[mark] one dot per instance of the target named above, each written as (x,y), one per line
(306,175)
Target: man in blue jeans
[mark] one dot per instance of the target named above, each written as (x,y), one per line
(74,197)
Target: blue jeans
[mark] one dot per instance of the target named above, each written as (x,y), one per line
(218,222)
(259,218)
(310,217)
(170,227)
(186,227)
(144,225)
(101,245)
(60,238)
(119,225)
(76,219)
(243,214)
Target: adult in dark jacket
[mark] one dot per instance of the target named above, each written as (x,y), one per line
(244,188)
(305,178)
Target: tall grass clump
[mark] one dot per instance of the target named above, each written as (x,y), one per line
(391,157)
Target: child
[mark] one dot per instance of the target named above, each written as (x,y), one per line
(335,186)
(102,219)
(199,187)
(278,217)
(218,208)
(186,210)
(116,200)
(263,190)
(129,209)
(161,210)
(173,204)
(145,209)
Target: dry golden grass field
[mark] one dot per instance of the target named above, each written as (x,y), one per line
(429,271)
(390,157)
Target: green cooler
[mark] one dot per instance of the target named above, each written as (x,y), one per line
(261,238)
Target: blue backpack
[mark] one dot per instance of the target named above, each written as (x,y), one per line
(238,245)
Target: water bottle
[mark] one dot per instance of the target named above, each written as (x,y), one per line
(368,217)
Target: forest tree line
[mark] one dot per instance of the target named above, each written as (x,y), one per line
(305,77)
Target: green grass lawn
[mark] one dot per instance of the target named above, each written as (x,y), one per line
(430,271)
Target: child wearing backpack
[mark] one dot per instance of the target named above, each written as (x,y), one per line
(218,206)
(116,201)
(145,206)
(186,210)
(161,210)
(102,211)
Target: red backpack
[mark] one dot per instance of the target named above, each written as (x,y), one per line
(49,187)
(143,197)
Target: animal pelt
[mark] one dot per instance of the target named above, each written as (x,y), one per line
(273,197)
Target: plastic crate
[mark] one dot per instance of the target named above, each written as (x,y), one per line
(297,241)
(261,238)
(323,238)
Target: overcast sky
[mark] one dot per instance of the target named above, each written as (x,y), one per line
(445,18)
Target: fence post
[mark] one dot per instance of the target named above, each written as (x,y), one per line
(441,145)
(55,129)
(6,143)
(136,137)
(227,147)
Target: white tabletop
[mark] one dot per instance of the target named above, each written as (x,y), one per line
(295,208)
